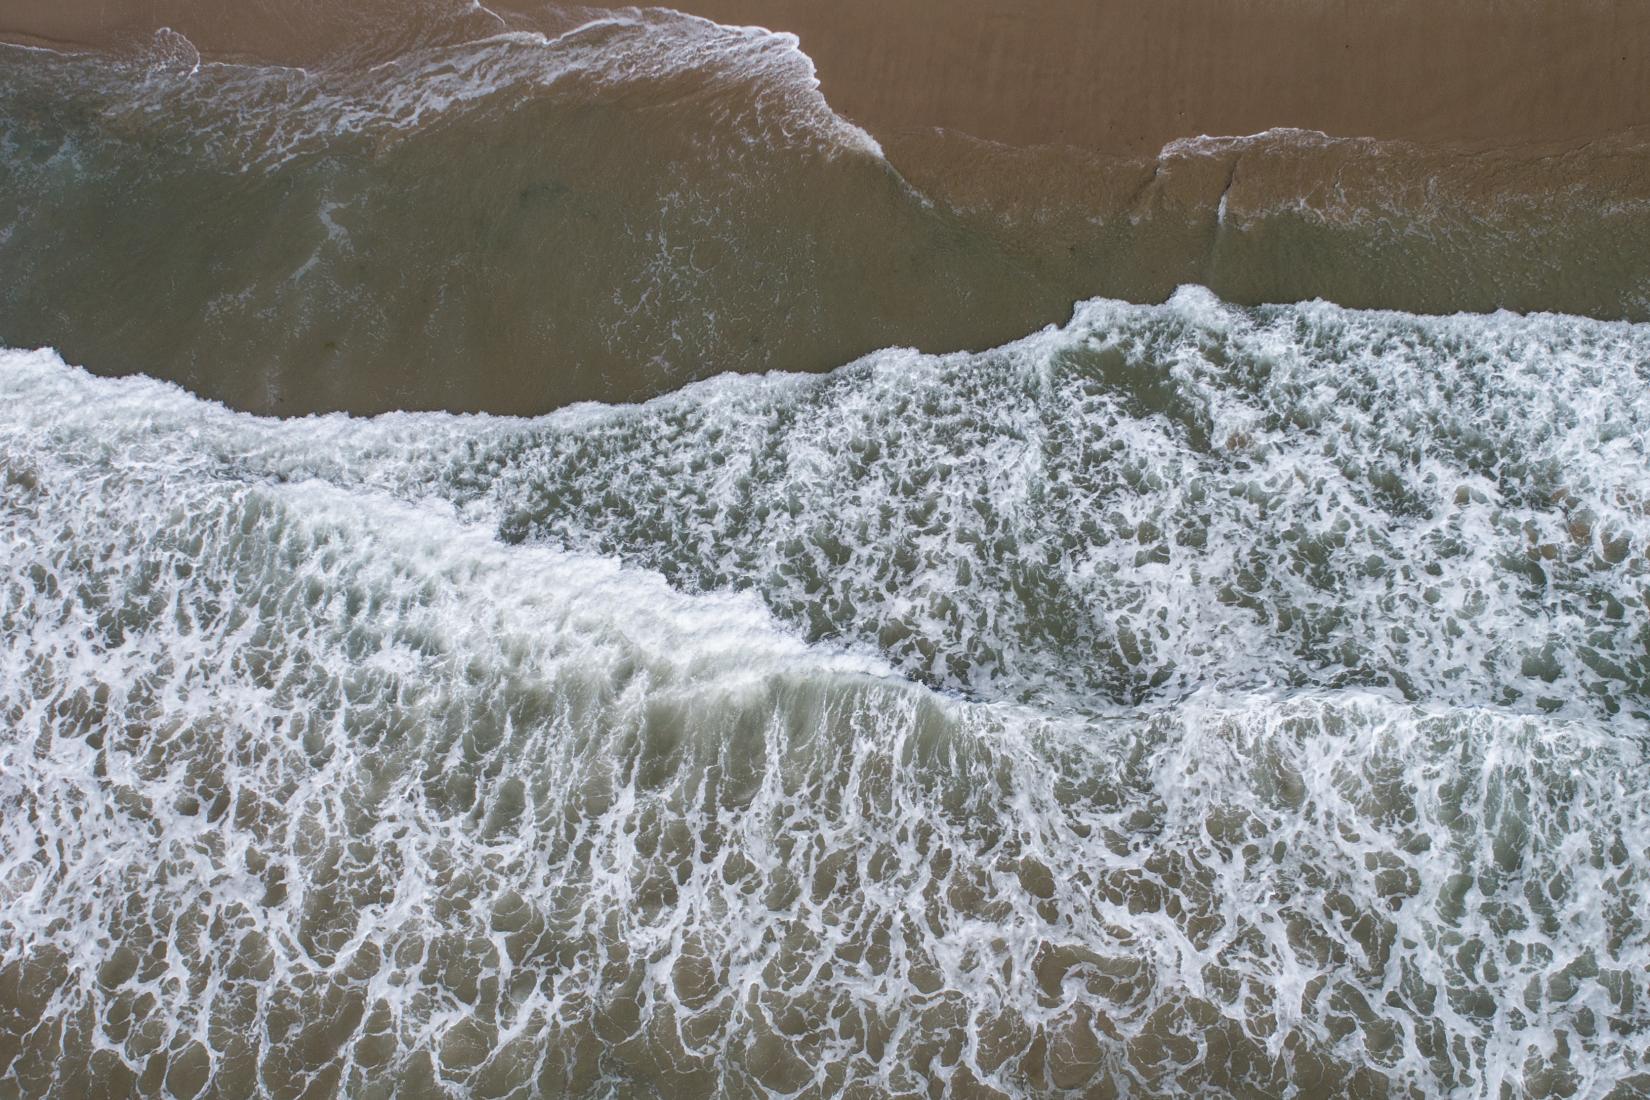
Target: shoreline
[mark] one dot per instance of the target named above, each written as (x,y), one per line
(550,277)
(1122,76)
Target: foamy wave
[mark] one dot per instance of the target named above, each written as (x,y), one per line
(1154,500)
(309,780)
(260,116)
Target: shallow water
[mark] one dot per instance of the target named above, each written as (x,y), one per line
(643,200)
(625,202)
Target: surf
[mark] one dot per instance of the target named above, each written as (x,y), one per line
(668,749)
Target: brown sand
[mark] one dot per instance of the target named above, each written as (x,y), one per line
(1123,76)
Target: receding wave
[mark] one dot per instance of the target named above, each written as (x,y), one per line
(653,185)
(613,208)
(1190,699)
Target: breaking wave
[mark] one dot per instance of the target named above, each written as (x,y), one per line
(1190,699)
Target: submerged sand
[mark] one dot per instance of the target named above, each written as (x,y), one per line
(1424,157)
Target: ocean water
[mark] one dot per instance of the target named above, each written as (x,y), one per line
(1199,698)
(1189,699)
(604,213)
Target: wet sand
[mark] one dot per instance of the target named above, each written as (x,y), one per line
(1429,158)
(1122,76)
(1132,75)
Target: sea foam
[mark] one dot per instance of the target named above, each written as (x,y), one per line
(800,735)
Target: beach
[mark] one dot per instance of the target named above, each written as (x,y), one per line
(1071,550)
(1423,157)
(1150,71)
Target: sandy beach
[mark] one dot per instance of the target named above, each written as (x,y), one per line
(1425,157)
(1122,76)
(1130,76)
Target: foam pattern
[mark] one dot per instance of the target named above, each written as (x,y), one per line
(1188,701)
(1148,502)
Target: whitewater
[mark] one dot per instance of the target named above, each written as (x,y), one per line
(1186,700)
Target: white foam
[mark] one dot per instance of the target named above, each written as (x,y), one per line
(1365,496)
(300,752)
(283,112)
